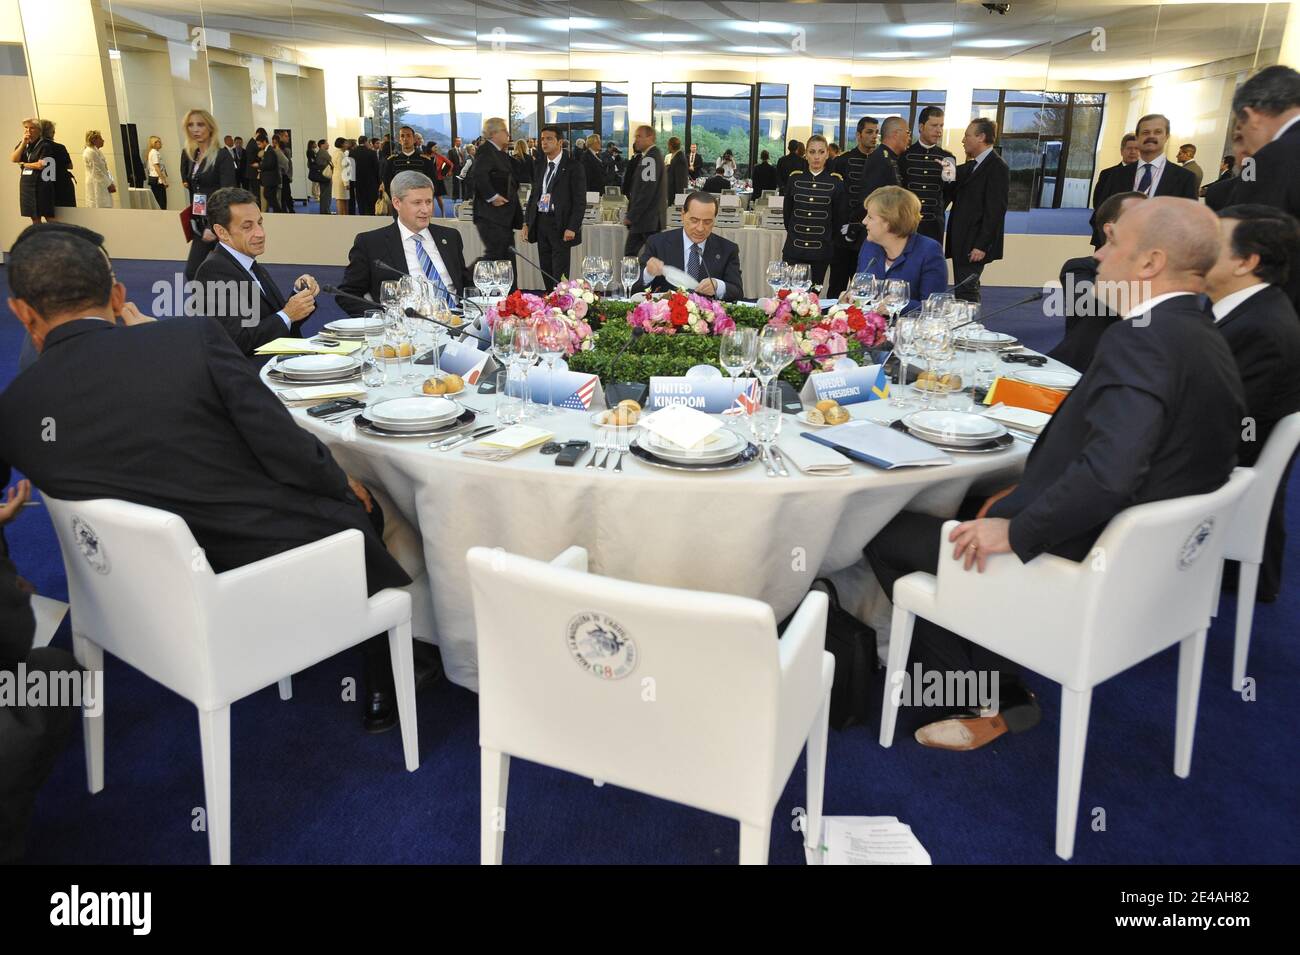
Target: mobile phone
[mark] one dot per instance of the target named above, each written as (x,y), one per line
(334,407)
(570,452)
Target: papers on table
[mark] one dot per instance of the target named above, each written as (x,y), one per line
(870,840)
(517,437)
(879,445)
(303,346)
(320,393)
(683,426)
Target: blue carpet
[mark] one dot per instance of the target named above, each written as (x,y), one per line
(311,787)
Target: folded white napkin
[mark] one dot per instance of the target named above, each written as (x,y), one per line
(1026,419)
(683,426)
(813,458)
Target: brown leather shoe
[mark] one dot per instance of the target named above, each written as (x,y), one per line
(962,733)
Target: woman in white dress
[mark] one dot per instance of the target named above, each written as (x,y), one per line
(156,172)
(345,170)
(99,181)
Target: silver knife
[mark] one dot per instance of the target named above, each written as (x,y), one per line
(767,461)
(471,437)
(446,443)
(780,462)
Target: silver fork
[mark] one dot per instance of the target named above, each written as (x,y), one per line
(602,444)
(780,461)
(624,443)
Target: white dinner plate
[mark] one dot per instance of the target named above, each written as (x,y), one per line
(986,338)
(722,445)
(1060,380)
(317,367)
(354,326)
(418,413)
(596,422)
(953,427)
(679,279)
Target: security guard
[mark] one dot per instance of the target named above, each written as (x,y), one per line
(815,209)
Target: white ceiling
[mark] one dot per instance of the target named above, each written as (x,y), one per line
(1058,38)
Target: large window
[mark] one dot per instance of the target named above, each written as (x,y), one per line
(717,117)
(437,109)
(837,109)
(1049,141)
(579,107)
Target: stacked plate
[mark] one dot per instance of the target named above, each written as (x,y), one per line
(1048,378)
(413,415)
(318,369)
(955,429)
(721,447)
(985,340)
(354,329)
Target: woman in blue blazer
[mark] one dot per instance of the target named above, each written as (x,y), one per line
(894,249)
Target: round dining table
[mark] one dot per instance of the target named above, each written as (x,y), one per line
(736,532)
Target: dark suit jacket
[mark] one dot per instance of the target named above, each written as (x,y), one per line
(979,209)
(493,174)
(568,197)
(361,278)
(593,169)
(721,261)
(1157,415)
(788,164)
(1218,194)
(1104,189)
(1086,319)
(678,177)
(247,329)
(366,161)
(717,183)
(1275,183)
(764,177)
(694,163)
(645,206)
(1264,335)
(195,433)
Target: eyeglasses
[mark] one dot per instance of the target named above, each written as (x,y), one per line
(1034,361)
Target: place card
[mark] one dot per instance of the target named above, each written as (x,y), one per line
(462,358)
(848,383)
(709,395)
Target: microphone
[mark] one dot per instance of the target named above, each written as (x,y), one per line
(545,274)
(1037,296)
(966,281)
(619,391)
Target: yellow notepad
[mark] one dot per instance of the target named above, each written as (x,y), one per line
(301,346)
(517,437)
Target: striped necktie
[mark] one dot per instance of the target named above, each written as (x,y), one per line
(693,264)
(431,272)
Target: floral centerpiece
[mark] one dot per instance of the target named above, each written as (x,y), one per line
(569,301)
(845,329)
(683,312)
(791,306)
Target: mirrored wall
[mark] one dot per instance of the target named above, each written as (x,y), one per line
(1063,80)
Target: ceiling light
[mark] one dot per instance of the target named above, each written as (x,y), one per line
(394,18)
(762,26)
(991,44)
(594,46)
(562,25)
(671,37)
(922,31)
(445,41)
(893,55)
(756,50)
(503,37)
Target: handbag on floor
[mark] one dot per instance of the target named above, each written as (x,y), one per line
(853,645)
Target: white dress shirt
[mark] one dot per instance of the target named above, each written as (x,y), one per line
(1151,303)
(247,262)
(1285,126)
(1157,168)
(431,247)
(1224,306)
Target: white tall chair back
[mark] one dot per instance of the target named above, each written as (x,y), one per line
(1246,536)
(693,720)
(138,586)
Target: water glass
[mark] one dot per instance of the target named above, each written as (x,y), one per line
(800,277)
(765,422)
(510,390)
(778,274)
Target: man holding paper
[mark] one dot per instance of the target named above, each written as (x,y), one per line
(238,291)
(1157,415)
(693,254)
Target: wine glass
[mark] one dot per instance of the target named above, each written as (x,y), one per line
(777,275)
(525,352)
(862,287)
(933,336)
(800,277)
(629,273)
(591,269)
(736,352)
(606,273)
(774,352)
(552,335)
(390,295)
(503,340)
(505,276)
(904,343)
(765,422)
(896,295)
(484,277)
(398,342)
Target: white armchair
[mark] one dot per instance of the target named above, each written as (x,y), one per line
(141,590)
(1149,584)
(697,702)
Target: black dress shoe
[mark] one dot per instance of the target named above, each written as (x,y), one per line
(428,665)
(381,711)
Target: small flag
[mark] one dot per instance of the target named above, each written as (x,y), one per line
(580,400)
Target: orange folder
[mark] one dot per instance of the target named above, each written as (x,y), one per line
(1021,394)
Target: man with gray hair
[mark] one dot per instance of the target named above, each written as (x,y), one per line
(412,244)
(1267,107)
(497,213)
(1157,415)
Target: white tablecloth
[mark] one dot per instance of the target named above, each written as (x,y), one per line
(757,248)
(737,532)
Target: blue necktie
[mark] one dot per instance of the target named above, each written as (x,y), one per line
(693,264)
(431,272)
(1145,184)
